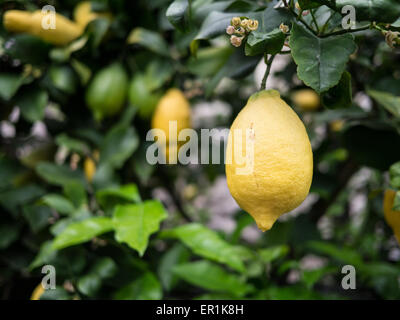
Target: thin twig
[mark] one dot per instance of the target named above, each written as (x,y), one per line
(267,71)
(344,31)
(314,20)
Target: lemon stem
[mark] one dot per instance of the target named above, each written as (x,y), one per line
(268,62)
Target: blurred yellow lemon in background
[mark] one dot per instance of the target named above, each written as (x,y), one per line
(306,99)
(392,217)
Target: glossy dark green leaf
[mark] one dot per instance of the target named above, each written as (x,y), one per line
(72,144)
(149,39)
(91,282)
(13,198)
(119,144)
(237,66)
(271,254)
(260,43)
(147,287)
(319,64)
(309,4)
(343,254)
(178,254)
(37,216)
(58,203)
(209,60)
(387,100)
(135,223)
(76,193)
(209,276)
(8,234)
(177,13)
(32,103)
(340,96)
(28,49)
(82,231)
(9,85)
(372,147)
(206,243)
(373,10)
(57,174)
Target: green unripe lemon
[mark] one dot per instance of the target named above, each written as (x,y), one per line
(107,91)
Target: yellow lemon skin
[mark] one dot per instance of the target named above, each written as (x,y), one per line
(31,22)
(37,293)
(306,99)
(89,167)
(392,217)
(83,14)
(337,125)
(173,106)
(282,160)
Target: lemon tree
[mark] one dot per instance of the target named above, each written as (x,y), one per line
(315,163)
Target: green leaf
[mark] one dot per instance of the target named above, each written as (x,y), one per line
(8,234)
(339,96)
(343,254)
(394,173)
(149,39)
(147,287)
(396,202)
(209,60)
(271,254)
(209,276)
(260,43)
(75,192)
(215,24)
(58,203)
(82,231)
(72,144)
(237,66)
(32,103)
(309,4)
(9,85)
(177,13)
(206,243)
(119,144)
(13,198)
(64,78)
(135,223)
(311,277)
(319,63)
(58,174)
(28,49)
(373,10)
(45,255)
(59,293)
(37,217)
(390,102)
(112,196)
(91,282)
(372,146)
(176,255)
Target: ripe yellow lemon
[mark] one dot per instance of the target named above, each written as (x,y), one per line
(269,160)
(89,167)
(83,14)
(31,22)
(392,217)
(37,293)
(306,99)
(172,107)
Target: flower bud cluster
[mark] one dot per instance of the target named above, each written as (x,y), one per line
(240,28)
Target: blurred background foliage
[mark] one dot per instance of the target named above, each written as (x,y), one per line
(77,193)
